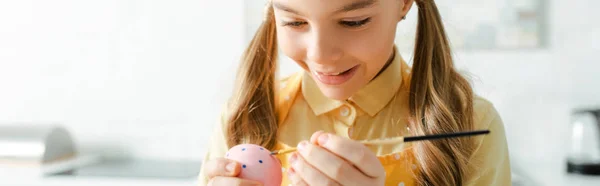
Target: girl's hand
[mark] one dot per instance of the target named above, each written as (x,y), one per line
(223,171)
(332,160)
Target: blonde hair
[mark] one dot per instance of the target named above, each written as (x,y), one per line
(441,100)
(253,118)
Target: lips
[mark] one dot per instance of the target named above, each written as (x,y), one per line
(335,78)
(334,74)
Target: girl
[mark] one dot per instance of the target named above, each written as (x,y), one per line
(356,86)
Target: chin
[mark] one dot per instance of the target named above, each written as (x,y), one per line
(337,93)
(340,92)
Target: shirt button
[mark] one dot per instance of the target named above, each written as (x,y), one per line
(345,111)
(397,156)
(401,184)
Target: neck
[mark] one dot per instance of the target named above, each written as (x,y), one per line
(391,58)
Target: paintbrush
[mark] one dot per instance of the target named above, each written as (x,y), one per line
(402,139)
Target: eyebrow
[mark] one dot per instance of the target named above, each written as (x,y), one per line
(357,5)
(284,8)
(350,7)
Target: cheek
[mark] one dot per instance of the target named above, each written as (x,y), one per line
(291,45)
(374,60)
(373,51)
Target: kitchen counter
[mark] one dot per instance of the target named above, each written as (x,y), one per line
(115,172)
(555,174)
(527,174)
(89,181)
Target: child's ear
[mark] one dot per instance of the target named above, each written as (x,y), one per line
(405,6)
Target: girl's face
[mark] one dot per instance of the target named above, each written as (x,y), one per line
(342,43)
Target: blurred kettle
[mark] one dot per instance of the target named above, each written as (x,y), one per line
(584,154)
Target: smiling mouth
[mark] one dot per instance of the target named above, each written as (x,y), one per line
(336,78)
(336,73)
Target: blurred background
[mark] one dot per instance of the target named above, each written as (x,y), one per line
(129,90)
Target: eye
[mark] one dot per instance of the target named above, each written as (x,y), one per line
(355,24)
(294,23)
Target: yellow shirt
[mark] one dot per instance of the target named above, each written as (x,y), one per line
(379,110)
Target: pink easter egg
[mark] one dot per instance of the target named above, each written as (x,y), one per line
(257,164)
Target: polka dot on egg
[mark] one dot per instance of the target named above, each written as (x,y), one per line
(243,149)
(259,161)
(262,149)
(244,166)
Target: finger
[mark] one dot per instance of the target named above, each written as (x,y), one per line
(309,174)
(295,179)
(219,180)
(221,167)
(331,165)
(354,152)
(315,137)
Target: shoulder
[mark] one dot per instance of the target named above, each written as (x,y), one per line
(290,79)
(485,113)
(490,159)
(486,117)
(289,85)
(491,156)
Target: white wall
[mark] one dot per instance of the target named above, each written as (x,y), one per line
(535,91)
(142,78)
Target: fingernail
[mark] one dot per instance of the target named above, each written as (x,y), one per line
(293,158)
(323,139)
(315,137)
(290,172)
(229,167)
(302,146)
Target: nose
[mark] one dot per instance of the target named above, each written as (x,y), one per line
(323,47)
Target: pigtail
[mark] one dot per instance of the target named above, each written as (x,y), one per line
(441,101)
(253,118)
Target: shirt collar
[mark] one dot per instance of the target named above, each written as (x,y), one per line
(371,98)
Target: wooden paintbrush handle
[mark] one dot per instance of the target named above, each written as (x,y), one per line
(401,139)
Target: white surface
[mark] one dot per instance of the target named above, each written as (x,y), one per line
(46,169)
(555,174)
(95,182)
(113,173)
(541,173)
